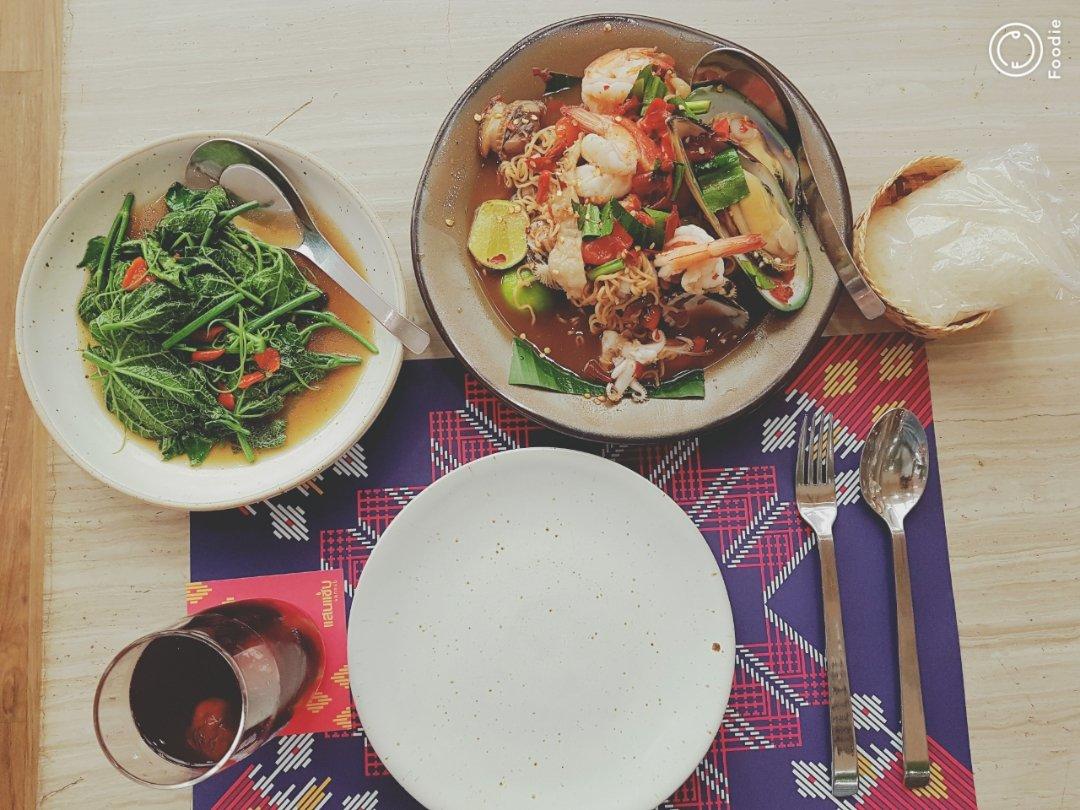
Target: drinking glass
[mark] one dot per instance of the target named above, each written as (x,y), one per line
(177,706)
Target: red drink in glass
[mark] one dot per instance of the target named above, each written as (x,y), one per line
(179,705)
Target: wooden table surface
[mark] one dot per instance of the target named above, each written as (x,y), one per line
(365,87)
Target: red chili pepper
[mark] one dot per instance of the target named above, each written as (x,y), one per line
(226,400)
(543,186)
(206,335)
(699,344)
(606,248)
(643,218)
(269,360)
(250,379)
(136,275)
(566,133)
(671,224)
(631,202)
(206,355)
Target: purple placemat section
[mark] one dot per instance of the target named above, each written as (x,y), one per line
(736,483)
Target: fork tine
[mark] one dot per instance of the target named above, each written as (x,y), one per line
(800,455)
(830,471)
(815,449)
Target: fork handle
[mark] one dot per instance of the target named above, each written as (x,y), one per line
(845,766)
(912,719)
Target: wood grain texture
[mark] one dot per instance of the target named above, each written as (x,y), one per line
(365,86)
(29,168)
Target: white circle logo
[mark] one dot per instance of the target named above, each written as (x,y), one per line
(1016,49)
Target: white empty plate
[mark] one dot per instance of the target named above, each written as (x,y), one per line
(541,628)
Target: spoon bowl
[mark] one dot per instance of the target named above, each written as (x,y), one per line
(895,465)
(248,174)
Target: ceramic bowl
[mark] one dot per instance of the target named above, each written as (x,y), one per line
(48,335)
(472,329)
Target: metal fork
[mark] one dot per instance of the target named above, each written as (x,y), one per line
(815,493)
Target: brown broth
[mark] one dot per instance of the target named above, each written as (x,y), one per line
(304,412)
(563,333)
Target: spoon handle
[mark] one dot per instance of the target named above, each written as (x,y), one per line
(912,719)
(321,252)
(845,765)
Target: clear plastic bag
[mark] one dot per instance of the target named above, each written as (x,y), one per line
(979,237)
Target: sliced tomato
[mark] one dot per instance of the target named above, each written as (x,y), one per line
(667,152)
(651,185)
(227,400)
(206,355)
(654,121)
(136,275)
(543,186)
(250,379)
(269,360)
(605,248)
(671,224)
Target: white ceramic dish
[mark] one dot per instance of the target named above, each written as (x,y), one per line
(48,339)
(541,628)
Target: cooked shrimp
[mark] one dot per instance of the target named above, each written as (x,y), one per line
(608,79)
(565,267)
(612,151)
(693,253)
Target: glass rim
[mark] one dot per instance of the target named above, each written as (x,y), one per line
(221,763)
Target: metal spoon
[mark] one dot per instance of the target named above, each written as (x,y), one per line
(750,75)
(893,472)
(248,174)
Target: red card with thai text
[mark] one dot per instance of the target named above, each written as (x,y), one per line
(321,595)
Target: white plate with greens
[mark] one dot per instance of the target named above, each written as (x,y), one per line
(541,628)
(223,384)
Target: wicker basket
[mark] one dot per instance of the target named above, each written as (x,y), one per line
(910,177)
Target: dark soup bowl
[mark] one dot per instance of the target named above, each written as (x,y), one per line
(454,179)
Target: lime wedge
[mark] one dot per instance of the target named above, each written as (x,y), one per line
(497,238)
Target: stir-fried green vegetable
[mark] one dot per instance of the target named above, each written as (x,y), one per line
(199,330)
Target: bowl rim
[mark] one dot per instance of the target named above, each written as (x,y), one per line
(498,388)
(310,470)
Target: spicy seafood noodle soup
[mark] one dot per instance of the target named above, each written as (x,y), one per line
(631,227)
